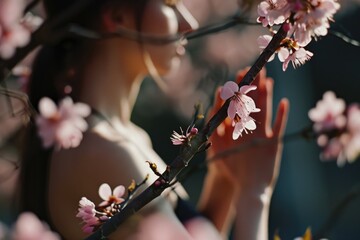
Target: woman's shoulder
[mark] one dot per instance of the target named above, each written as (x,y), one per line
(99,159)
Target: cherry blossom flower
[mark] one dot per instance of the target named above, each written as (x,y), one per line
(312,19)
(273,12)
(63,126)
(240,107)
(289,51)
(242,124)
(303,19)
(328,113)
(109,196)
(240,103)
(338,135)
(29,227)
(179,139)
(13,33)
(87,213)
(297,58)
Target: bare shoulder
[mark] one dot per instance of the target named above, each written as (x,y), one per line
(100,159)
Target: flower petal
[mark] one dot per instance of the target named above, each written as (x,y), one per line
(104,191)
(228,90)
(231,111)
(119,191)
(47,107)
(247,88)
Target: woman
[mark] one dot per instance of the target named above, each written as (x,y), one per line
(106,75)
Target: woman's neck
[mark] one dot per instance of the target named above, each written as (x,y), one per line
(109,85)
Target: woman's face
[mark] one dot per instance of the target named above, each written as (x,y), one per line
(166,19)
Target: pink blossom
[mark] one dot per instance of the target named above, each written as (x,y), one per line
(109,196)
(63,126)
(288,52)
(240,103)
(29,227)
(87,209)
(242,124)
(179,139)
(297,58)
(312,19)
(13,33)
(87,213)
(328,113)
(273,12)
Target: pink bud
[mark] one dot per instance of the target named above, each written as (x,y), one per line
(286,27)
(194,131)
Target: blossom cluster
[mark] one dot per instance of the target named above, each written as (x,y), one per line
(337,128)
(303,20)
(13,30)
(240,107)
(94,216)
(61,126)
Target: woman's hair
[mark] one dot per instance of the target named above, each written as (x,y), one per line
(52,69)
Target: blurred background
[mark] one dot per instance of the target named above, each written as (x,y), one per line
(308,189)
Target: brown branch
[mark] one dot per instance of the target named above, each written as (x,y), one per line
(188,151)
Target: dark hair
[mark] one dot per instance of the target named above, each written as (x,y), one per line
(51,65)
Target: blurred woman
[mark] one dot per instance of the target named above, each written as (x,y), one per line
(106,75)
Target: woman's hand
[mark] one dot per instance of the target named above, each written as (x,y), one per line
(254,166)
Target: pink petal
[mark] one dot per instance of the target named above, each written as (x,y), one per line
(283,54)
(285,64)
(87,229)
(104,191)
(247,88)
(82,109)
(250,125)
(47,107)
(228,90)
(249,104)
(231,111)
(238,129)
(119,191)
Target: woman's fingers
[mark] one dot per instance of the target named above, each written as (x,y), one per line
(281,118)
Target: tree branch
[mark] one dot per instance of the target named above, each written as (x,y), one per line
(188,150)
